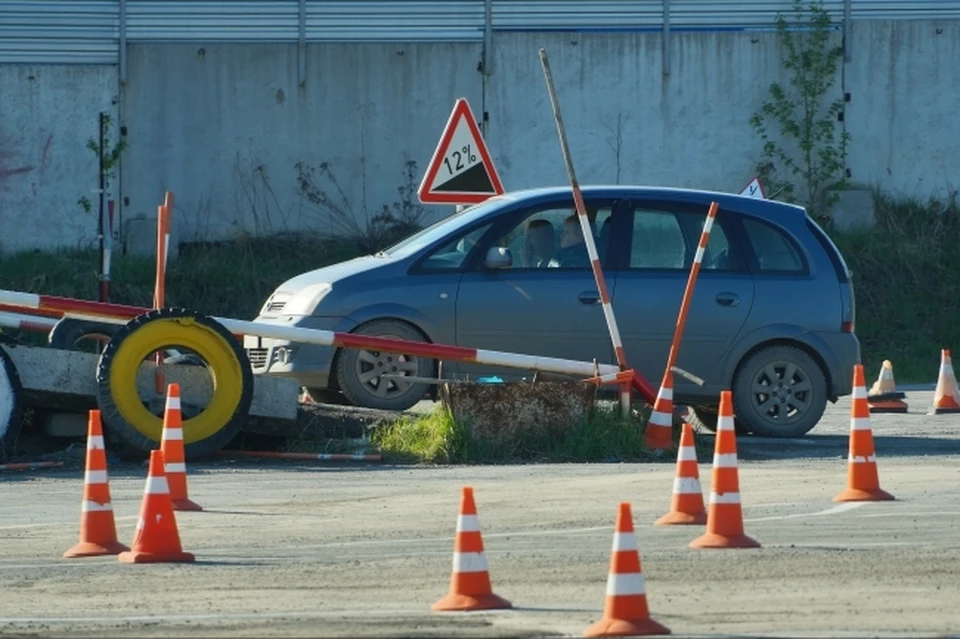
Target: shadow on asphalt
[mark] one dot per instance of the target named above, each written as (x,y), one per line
(820,446)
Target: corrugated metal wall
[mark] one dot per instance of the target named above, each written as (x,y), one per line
(89,31)
(82,32)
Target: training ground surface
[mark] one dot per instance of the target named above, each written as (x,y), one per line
(364,550)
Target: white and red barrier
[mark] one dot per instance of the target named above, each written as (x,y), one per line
(120,314)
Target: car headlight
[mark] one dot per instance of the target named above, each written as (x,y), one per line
(305,301)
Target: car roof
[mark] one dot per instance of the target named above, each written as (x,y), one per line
(740,203)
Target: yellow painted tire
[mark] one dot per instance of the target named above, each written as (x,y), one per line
(126,416)
(11,401)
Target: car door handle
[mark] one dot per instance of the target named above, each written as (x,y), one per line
(728,299)
(589,297)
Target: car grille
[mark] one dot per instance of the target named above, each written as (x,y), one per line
(257,357)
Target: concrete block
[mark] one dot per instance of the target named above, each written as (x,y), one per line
(140,236)
(54,378)
(854,210)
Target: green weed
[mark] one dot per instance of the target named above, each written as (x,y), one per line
(906,275)
(438,438)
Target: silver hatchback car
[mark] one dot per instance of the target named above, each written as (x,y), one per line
(772,315)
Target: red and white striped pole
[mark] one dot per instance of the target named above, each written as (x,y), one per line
(625,389)
(659,433)
(23,322)
(118,313)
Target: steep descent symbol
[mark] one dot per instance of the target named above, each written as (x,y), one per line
(754,189)
(461,171)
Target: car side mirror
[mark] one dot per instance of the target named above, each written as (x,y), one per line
(498,257)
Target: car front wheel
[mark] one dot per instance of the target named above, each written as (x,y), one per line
(780,391)
(374,379)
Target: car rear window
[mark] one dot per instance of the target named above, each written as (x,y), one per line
(775,251)
(836,258)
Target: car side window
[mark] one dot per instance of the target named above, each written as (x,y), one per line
(451,255)
(775,251)
(669,240)
(552,238)
(657,241)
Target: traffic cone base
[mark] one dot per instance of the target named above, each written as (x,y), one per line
(626,628)
(888,406)
(186,504)
(458,602)
(682,519)
(145,557)
(714,540)
(91,549)
(857,494)
(944,411)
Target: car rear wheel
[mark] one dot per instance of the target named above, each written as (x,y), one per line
(780,391)
(373,379)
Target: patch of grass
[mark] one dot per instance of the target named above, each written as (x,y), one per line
(438,438)
(906,275)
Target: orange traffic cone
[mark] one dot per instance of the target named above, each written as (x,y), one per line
(470,581)
(157,539)
(863,481)
(173,454)
(725,517)
(98,530)
(946,397)
(883,396)
(659,433)
(625,611)
(687,506)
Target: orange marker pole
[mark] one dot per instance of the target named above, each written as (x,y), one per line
(159,291)
(625,389)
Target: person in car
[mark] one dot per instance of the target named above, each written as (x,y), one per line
(573,249)
(540,243)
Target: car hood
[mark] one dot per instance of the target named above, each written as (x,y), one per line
(333,273)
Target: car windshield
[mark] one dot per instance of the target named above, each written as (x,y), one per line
(442,228)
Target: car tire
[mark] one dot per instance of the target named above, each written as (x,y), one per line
(356,369)
(797,397)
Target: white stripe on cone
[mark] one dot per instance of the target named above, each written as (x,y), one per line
(468,523)
(95,476)
(172,434)
(687,453)
(660,418)
(687,486)
(157,486)
(859,423)
(92,506)
(724,498)
(173,402)
(862,460)
(175,468)
(619,585)
(859,392)
(95,442)
(624,541)
(725,460)
(724,422)
(469,562)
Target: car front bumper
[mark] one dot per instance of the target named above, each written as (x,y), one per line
(309,364)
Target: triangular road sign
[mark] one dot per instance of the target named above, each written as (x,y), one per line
(461,171)
(754,189)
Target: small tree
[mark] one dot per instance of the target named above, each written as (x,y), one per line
(111,158)
(811,148)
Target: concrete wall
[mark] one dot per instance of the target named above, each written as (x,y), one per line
(904,81)
(47,115)
(224,126)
